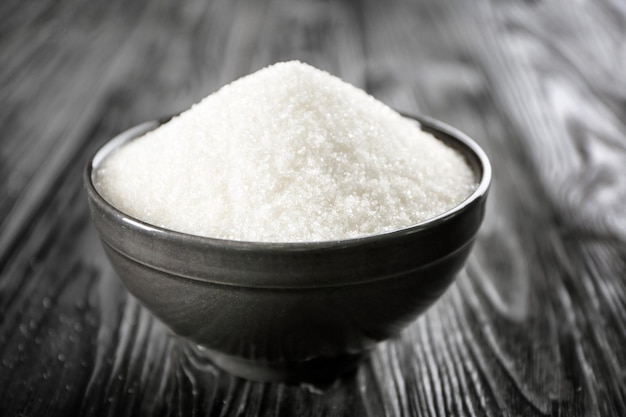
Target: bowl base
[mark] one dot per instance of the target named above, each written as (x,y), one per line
(317,370)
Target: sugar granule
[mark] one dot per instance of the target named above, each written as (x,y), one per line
(287,154)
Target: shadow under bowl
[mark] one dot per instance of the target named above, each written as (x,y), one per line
(290,311)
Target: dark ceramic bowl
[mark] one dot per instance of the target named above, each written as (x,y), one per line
(290,311)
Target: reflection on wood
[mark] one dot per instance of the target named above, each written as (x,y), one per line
(536,323)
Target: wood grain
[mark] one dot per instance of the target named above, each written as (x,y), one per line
(534,326)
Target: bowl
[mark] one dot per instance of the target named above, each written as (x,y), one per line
(290,311)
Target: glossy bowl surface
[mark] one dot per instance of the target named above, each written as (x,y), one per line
(290,311)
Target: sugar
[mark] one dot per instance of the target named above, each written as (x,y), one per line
(287,154)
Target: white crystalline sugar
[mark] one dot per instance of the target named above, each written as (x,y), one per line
(289,153)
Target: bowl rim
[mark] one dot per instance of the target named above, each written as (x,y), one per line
(454,137)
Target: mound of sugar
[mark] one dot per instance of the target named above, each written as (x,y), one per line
(289,153)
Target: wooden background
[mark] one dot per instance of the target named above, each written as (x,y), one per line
(535,324)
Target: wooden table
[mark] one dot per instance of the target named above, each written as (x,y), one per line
(535,325)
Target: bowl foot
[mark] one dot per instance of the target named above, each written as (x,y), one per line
(317,370)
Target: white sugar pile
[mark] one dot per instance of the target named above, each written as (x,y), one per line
(289,153)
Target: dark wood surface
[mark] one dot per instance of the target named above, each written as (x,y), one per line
(535,324)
